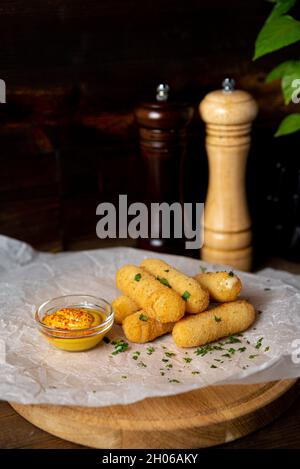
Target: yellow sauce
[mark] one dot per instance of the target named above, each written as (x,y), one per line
(73,328)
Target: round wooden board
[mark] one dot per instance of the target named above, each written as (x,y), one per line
(196,419)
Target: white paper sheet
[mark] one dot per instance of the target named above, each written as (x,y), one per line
(32,371)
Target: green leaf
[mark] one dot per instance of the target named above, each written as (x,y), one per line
(279,71)
(289,125)
(281,7)
(277,32)
(290,85)
(288,71)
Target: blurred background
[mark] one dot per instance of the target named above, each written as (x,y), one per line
(75,71)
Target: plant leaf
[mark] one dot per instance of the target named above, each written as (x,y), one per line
(288,125)
(281,70)
(289,72)
(290,85)
(278,32)
(281,7)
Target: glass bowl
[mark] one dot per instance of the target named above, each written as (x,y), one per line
(76,340)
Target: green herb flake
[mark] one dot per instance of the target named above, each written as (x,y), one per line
(142,365)
(213,366)
(170,354)
(174,381)
(143,317)
(259,312)
(137,277)
(227,355)
(267,289)
(163,281)
(186,295)
(267,349)
(169,365)
(195,372)
(150,350)
(232,340)
(252,356)
(231,274)
(259,343)
(162,373)
(242,349)
(165,360)
(120,346)
(203,269)
(106,340)
(167,270)
(217,319)
(217,347)
(231,350)
(204,350)
(187,359)
(124,377)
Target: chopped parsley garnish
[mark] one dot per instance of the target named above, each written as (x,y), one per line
(120,346)
(170,354)
(143,317)
(213,366)
(204,350)
(106,339)
(164,281)
(267,289)
(252,356)
(231,274)
(217,347)
(217,319)
(124,377)
(165,360)
(167,270)
(187,359)
(259,312)
(162,373)
(150,350)
(137,277)
(136,355)
(226,355)
(186,295)
(174,381)
(267,349)
(242,349)
(232,340)
(142,365)
(203,269)
(195,372)
(231,350)
(259,343)
(169,365)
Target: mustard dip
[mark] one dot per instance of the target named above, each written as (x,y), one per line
(73,328)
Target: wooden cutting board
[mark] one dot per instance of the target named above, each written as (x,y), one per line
(196,419)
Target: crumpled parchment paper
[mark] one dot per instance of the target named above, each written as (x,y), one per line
(32,371)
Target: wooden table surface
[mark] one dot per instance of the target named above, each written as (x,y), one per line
(284,432)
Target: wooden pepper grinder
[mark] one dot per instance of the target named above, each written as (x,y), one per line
(163,140)
(228,114)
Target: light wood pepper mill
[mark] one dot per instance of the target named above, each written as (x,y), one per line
(228,114)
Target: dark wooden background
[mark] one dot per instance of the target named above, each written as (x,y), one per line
(75,71)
